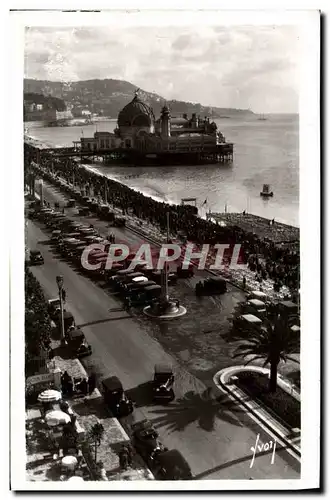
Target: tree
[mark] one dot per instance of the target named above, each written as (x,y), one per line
(37,321)
(274,342)
(95,435)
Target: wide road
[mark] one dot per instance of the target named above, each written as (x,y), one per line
(215,439)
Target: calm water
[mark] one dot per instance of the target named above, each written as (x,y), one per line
(264,152)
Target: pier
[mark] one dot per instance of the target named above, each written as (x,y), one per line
(221,154)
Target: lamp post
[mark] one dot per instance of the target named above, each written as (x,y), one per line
(165,273)
(165,308)
(60,281)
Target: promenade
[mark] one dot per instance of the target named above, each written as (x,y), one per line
(214,438)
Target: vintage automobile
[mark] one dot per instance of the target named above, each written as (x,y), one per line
(53,307)
(134,289)
(68,320)
(83,211)
(56,235)
(115,268)
(77,343)
(288,308)
(87,231)
(71,248)
(114,396)
(211,286)
(145,441)
(256,307)
(131,279)
(171,465)
(119,222)
(245,324)
(163,383)
(71,203)
(36,258)
(144,297)
(258,294)
(120,276)
(77,252)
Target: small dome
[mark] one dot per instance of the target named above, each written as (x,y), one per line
(136,114)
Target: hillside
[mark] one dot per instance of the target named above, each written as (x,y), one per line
(48,102)
(108,97)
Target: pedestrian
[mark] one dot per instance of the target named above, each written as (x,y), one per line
(91,383)
(83,386)
(244,282)
(123,457)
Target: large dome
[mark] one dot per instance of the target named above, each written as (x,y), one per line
(136,114)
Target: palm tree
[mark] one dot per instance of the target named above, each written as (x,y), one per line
(95,435)
(274,342)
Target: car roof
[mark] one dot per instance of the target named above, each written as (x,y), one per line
(76,333)
(258,293)
(144,284)
(139,279)
(251,318)
(256,302)
(35,251)
(288,303)
(112,383)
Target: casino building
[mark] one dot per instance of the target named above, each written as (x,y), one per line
(141,139)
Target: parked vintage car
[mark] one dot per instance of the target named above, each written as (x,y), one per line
(115,397)
(144,297)
(163,383)
(211,286)
(77,343)
(53,307)
(245,324)
(171,465)
(36,257)
(145,441)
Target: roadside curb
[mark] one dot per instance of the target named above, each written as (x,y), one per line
(285,436)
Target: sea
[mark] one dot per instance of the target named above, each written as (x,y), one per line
(265,152)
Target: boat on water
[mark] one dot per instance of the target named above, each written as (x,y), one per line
(266,193)
(262,118)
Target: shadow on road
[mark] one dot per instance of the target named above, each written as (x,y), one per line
(202,408)
(142,394)
(103,321)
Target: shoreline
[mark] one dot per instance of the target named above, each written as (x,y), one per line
(37,143)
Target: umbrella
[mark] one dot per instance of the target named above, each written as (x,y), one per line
(57,417)
(75,479)
(69,461)
(49,396)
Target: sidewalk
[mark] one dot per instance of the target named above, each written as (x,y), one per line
(91,410)
(288,438)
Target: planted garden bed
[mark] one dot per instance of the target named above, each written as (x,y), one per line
(281,404)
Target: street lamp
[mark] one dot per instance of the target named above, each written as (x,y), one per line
(60,281)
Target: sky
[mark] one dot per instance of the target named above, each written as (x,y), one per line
(249,67)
